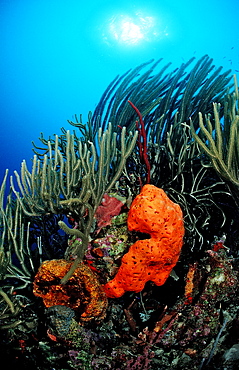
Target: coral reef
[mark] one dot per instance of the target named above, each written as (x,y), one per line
(67,181)
(153,259)
(68,215)
(194,330)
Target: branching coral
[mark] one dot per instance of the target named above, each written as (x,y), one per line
(73,178)
(220,141)
(15,255)
(153,259)
(159,96)
(166,99)
(142,142)
(198,189)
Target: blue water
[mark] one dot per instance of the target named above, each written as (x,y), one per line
(57,57)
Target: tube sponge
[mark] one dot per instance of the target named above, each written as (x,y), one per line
(153,259)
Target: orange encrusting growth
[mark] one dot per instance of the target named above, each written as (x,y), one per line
(153,259)
(82,293)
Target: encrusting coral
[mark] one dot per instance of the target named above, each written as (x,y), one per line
(153,259)
(83,293)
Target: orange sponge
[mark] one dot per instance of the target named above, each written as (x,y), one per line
(83,293)
(153,259)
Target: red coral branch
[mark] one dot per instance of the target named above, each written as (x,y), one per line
(142,142)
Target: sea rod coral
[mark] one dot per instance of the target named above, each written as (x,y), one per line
(72,178)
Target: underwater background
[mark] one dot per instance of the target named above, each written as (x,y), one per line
(119,248)
(58,57)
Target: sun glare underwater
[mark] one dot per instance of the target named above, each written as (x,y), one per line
(133,30)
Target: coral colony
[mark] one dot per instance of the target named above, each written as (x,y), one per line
(119,247)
